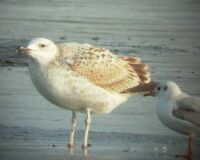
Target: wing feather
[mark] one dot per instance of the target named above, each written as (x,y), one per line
(188,109)
(109,71)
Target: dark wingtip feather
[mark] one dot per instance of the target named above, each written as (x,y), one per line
(144,88)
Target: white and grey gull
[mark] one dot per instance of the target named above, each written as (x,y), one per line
(178,111)
(84,78)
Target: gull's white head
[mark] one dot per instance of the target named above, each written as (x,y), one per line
(40,49)
(167,90)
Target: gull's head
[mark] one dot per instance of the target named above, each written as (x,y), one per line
(167,90)
(40,49)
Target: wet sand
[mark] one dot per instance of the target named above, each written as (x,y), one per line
(34,143)
(164,34)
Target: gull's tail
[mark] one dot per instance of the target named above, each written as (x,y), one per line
(146,85)
(145,89)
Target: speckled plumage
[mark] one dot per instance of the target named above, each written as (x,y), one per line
(103,68)
(82,77)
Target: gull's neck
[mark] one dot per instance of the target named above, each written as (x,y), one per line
(45,60)
(178,94)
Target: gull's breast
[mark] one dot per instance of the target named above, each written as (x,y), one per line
(68,90)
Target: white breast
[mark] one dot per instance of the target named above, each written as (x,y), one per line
(63,88)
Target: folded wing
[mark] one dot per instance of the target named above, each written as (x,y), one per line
(188,109)
(106,70)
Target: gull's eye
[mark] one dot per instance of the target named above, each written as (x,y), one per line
(41,45)
(165,88)
(158,88)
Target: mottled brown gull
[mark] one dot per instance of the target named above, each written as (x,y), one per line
(178,111)
(84,78)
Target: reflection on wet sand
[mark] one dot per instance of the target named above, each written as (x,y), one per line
(71,151)
(85,153)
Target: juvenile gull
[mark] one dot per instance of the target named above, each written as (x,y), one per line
(178,111)
(84,78)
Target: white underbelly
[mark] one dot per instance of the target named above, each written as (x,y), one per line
(66,90)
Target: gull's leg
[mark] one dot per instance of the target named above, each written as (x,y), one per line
(188,156)
(87,128)
(73,128)
(189,152)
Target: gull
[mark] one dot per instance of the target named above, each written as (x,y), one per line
(84,78)
(178,111)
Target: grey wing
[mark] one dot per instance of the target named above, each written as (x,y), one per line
(188,109)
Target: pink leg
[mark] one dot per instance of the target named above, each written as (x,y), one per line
(87,128)
(189,152)
(188,156)
(73,128)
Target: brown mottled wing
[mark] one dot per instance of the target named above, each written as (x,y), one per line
(108,71)
(138,67)
(188,109)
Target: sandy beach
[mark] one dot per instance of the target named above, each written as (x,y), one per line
(164,34)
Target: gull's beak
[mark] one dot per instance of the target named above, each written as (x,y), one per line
(152,89)
(23,50)
(152,94)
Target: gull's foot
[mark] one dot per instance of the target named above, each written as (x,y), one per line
(86,146)
(70,145)
(180,156)
(186,157)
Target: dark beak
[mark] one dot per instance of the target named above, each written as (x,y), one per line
(23,50)
(152,94)
(151,89)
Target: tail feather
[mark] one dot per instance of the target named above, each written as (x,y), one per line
(146,86)
(145,89)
